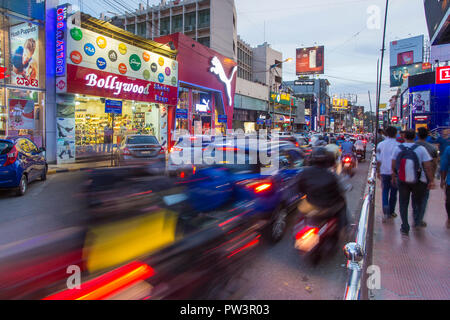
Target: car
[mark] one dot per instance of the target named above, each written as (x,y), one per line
(139,150)
(271,189)
(21,162)
(187,153)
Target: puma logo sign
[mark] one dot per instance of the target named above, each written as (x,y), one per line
(217,69)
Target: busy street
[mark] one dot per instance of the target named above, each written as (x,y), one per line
(224,150)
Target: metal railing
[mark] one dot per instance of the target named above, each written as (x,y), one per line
(357,252)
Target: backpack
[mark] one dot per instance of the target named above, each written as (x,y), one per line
(408,165)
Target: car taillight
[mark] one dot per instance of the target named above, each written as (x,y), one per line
(258,186)
(297,145)
(11,156)
(107,285)
(306,232)
(175,149)
(126,152)
(364,141)
(228,149)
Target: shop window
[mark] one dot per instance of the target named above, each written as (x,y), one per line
(182,121)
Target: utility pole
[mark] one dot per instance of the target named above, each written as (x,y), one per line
(381,70)
(371,119)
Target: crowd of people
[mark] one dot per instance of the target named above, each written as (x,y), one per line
(407,164)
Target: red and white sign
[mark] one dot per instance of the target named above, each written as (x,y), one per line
(443,75)
(104,84)
(394,119)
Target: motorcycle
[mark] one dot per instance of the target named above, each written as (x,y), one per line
(360,155)
(348,164)
(317,230)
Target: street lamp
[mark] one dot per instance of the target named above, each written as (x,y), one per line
(273,66)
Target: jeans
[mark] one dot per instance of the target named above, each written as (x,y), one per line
(417,192)
(447,200)
(389,195)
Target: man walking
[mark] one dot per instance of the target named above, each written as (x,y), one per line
(445,180)
(384,172)
(433,152)
(412,172)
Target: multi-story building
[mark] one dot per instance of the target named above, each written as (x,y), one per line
(245,60)
(210,22)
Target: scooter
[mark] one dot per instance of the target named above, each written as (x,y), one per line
(360,155)
(348,164)
(316,232)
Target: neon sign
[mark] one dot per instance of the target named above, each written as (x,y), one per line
(61,26)
(218,70)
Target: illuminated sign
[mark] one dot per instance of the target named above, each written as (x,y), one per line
(217,69)
(394,119)
(203,107)
(61,27)
(443,75)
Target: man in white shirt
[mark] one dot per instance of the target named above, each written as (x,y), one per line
(416,190)
(384,173)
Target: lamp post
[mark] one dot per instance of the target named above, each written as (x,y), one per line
(273,66)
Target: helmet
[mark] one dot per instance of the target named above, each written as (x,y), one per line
(322,158)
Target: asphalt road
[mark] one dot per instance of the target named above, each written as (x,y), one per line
(280,273)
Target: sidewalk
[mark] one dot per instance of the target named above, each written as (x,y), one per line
(70,167)
(416,267)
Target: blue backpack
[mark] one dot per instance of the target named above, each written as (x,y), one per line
(408,165)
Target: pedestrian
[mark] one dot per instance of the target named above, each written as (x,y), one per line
(384,173)
(422,134)
(412,173)
(380,136)
(401,137)
(445,180)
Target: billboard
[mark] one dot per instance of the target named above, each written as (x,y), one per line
(25,55)
(435,13)
(406,51)
(310,60)
(401,73)
(420,101)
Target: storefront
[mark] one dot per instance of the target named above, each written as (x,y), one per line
(22,70)
(284,109)
(207,83)
(108,88)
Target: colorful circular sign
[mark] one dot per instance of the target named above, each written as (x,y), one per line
(161,61)
(174,65)
(101,42)
(146,56)
(101,63)
(135,62)
(112,55)
(154,67)
(174,81)
(89,49)
(76,57)
(76,34)
(122,68)
(122,48)
(167,71)
(146,74)
(161,77)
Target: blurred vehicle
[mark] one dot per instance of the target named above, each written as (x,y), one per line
(348,164)
(322,210)
(143,237)
(187,153)
(139,150)
(272,189)
(21,162)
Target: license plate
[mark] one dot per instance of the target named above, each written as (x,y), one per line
(346,165)
(145,153)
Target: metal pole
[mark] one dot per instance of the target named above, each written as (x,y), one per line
(381,70)
(371,119)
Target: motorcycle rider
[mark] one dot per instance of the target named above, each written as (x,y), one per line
(359,146)
(323,190)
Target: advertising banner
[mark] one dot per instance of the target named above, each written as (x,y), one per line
(163,125)
(105,84)
(401,73)
(113,106)
(91,50)
(29,8)
(435,12)
(25,55)
(443,75)
(310,60)
(420,101)
(406,51)
(21,114)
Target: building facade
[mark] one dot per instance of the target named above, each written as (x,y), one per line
(210,22)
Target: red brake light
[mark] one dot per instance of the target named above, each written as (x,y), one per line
(306,232)
(175,149)
(228,149)
(182,175)
(108,284)
(11,156)
(347,160)
(126,152)
(297,145)
(258,186)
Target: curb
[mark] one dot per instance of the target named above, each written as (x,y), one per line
(54,171)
